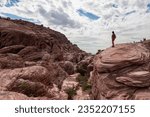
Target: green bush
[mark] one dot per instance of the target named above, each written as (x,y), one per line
(26,89)
(24,86)
(83,81)
(71,92)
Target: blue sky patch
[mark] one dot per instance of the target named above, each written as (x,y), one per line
(87,14)
(148,5)
(128,13)
(12,16)
(148,8)
(11,3)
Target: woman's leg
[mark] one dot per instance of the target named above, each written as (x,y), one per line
(113,43)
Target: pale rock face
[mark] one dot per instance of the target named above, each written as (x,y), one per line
(81,95)
(70,82)
(121,73)
(136,79)
(29,63)
(56,94)
(63,95)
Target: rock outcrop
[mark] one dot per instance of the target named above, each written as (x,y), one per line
(122,72)
(34,61)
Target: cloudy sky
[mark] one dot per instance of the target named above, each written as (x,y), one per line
(87,23)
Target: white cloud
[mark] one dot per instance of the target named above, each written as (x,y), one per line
(90,35)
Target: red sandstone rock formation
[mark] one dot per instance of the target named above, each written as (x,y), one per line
(30,57)
(122,72)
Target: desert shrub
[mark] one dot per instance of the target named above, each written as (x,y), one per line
(83,82)
(27,89)
(71,92)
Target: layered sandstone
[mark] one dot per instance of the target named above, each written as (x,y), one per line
(122,72)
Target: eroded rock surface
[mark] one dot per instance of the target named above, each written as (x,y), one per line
(7,95)
(81,95)
(70,82)
(34,61)
(122,72)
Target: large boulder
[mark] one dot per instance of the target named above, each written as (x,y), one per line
(85,66)
(70,82)
(34,73)
(68,67)
(123,55)
(56,73)
(29,88)
(120,72)
(31,53)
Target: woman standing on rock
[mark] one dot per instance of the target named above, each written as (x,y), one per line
(113,38)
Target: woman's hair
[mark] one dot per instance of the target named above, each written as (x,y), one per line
(112,31)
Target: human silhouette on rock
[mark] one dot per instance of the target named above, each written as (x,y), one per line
(113,38)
